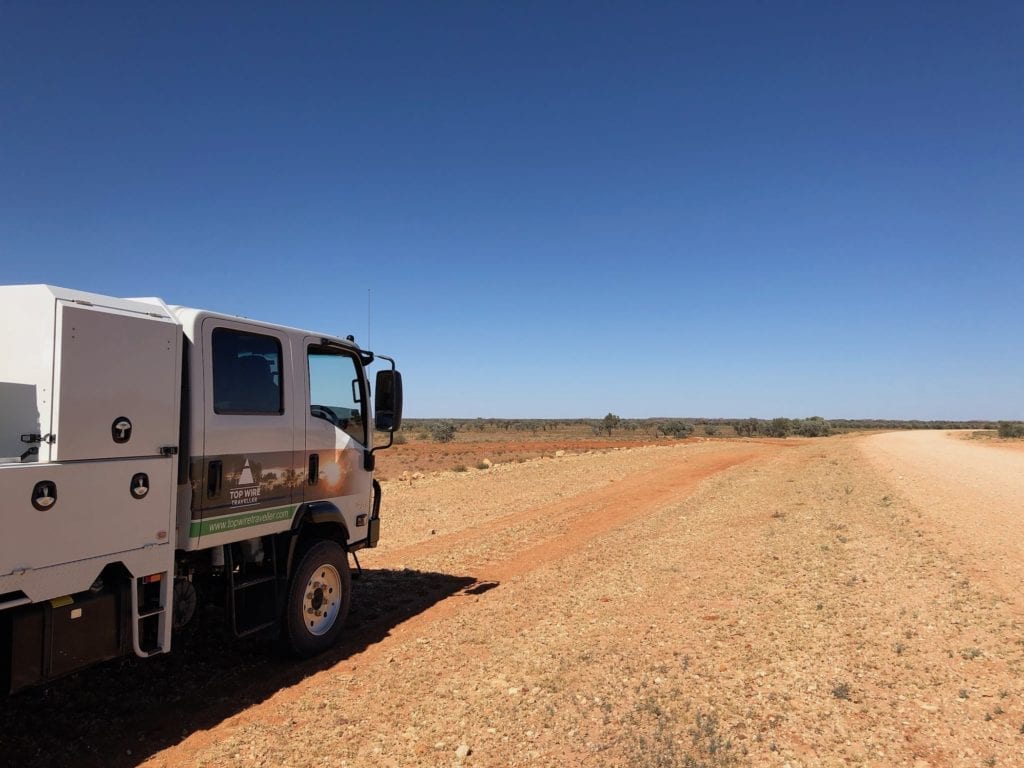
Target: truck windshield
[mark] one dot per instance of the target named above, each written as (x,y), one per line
(336,392)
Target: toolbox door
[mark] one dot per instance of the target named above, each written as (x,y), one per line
(116,383)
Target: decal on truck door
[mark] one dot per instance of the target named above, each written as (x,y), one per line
(268,479)
(247,491)
(246,480)
(257,488)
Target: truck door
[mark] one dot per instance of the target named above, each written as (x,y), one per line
(337,422)
(248,467)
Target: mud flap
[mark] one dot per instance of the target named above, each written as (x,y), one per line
(373,530)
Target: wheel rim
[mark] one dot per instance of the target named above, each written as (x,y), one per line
(321,600)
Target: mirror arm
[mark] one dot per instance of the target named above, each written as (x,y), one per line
(391,441)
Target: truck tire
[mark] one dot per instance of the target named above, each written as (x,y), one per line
(318,599)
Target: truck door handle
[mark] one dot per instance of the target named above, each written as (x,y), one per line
(214,477)
(314,469)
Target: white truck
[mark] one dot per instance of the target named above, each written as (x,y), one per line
(154,455)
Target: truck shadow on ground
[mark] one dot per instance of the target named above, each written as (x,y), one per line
(120,713)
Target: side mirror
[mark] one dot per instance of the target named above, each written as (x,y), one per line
(387,406)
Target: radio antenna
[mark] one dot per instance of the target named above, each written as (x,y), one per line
(368,345)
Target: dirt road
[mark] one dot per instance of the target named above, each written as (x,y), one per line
(839,601)
(972,493)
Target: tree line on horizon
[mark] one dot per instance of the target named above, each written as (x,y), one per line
(444,430)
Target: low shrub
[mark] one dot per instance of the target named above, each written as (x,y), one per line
(442,431)
(1011,428)
(677,429)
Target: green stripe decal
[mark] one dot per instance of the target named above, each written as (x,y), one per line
(227,523)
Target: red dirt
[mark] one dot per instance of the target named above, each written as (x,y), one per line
(563,528)
(845,601)
(426,457)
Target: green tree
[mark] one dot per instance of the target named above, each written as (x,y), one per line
(748,427)
(611,421)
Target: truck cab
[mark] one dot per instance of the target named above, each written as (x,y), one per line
(279,420)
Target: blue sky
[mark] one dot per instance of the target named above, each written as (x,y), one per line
(560,209)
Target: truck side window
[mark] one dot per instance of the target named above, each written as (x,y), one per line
(336,391)
(246,373)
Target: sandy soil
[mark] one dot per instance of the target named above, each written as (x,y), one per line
(423,457)
(971,494)
(842,601)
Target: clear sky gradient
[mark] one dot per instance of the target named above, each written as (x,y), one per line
(560,209)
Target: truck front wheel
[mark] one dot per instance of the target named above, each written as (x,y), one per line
(318,599)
